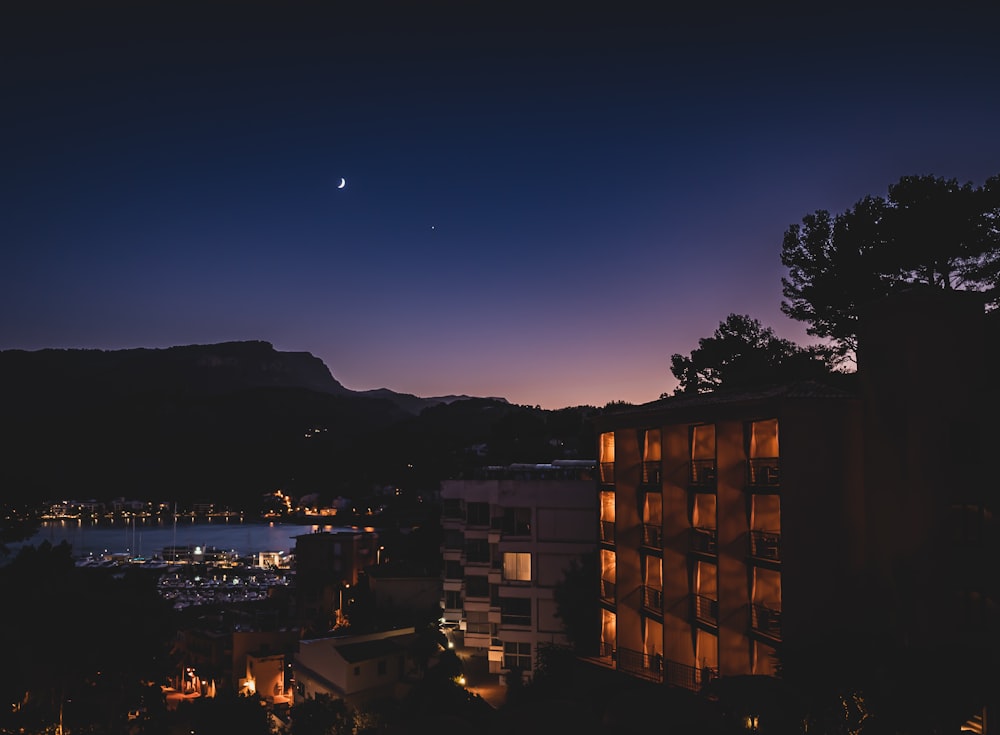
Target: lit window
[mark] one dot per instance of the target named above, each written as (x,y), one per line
(517,566)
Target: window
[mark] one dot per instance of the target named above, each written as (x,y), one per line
(607,458)
(477,586)
(763,453)
(453,570)
(451,508)
(515,610)
(453,539)
(477,514)
(453,600)
(651,457)
(517,521)
(357,671)
(477,622)
(764,439)
(607,506)
(517,656)
(517,566)
(703,469)
(477,551)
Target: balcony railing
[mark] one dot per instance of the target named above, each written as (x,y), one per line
(765,545)
(652,599)
(703,474)
(652,473)
(764,472)
(608,473)
(705,540)
(657,668)
(705,609)
(765,620)
(607,590)
(637,663)
(608,532)
(652,535)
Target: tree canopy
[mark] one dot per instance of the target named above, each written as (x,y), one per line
(743,353)
(929,230)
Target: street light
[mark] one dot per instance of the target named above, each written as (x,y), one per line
(378,554)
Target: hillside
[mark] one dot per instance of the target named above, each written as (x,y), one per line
(231,421)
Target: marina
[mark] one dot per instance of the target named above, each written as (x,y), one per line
(151,541)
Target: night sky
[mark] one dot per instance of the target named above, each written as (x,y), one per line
(539,205)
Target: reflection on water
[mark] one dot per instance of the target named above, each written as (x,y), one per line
(148,537)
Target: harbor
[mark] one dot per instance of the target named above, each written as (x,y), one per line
(153,541)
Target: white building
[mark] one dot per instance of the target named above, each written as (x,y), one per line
(353,668)
(509,539)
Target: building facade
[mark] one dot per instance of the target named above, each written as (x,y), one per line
(328,563)
(357,669)
(723,527)
(805,526)
(509,539)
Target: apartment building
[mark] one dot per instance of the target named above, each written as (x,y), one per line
(720,516)
(733,525)
(329,561)
(509,538)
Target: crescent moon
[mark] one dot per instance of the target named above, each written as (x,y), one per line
(343,183)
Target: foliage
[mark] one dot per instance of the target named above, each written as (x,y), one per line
(16,524)
(928,230)
(321,715)
(88,637)
(223,714)
(742,353)
(577,604)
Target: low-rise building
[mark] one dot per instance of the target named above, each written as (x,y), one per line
(356,669)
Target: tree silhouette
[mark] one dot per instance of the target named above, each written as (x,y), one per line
(321,715)
(577,606)
(742,353)
(928,230)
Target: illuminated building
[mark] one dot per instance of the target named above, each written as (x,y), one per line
(509,538)
(734,526)
(718,516)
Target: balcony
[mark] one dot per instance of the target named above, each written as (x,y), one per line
(608,473)
(764,473)
(608,532)
(703,475)
(607,591)
(705,610)
(655,667)
(652,599)
(643,665)
(765,621)
(652,473)
(705,541)
(652,536)
(765,545)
